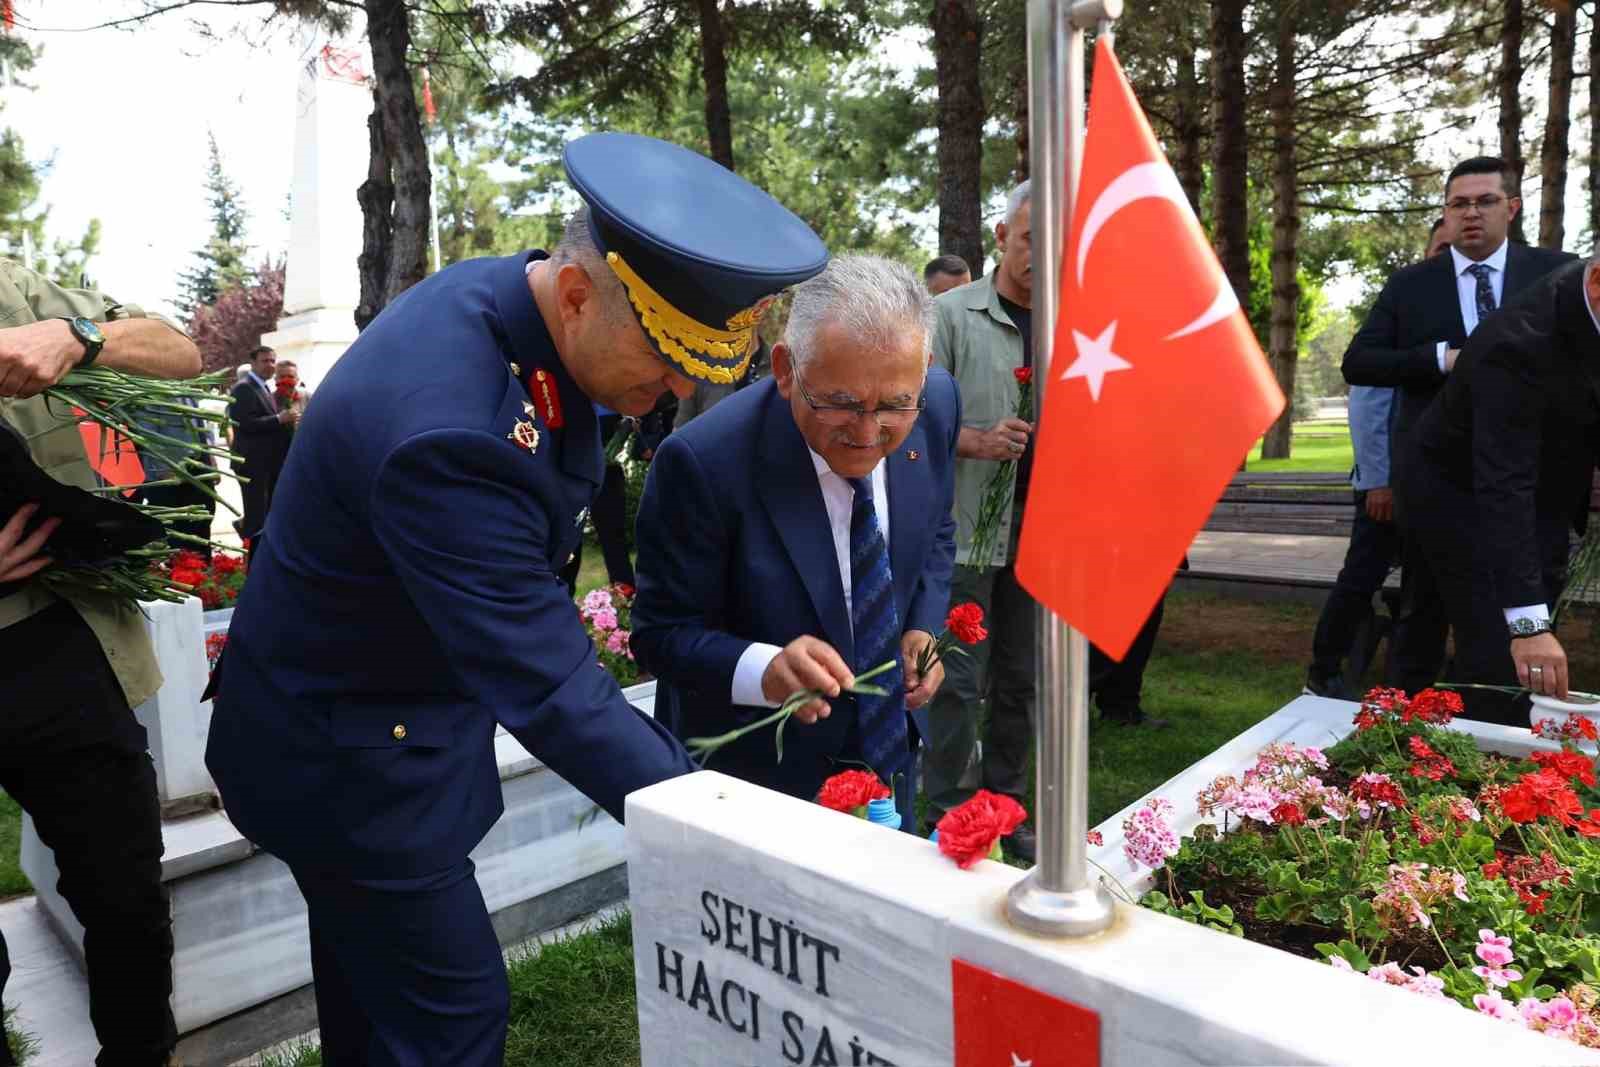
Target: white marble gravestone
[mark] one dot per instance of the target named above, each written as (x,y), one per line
(770,931)
(321,283)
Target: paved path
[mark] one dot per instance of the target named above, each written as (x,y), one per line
(46,988)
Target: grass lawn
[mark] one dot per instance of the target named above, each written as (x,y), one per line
(12,880)
(1320,445)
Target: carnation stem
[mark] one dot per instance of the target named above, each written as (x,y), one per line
(706,747)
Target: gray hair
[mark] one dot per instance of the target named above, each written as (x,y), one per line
(1015,199)
(874,299)
(577,247)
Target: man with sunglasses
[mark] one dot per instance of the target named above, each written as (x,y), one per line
(800,534)
(1410,342)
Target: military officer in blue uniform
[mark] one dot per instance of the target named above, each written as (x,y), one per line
(404,599)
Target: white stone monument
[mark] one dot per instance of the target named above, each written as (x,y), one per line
(321,285)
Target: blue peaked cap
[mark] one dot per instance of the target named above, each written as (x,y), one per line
(700,251)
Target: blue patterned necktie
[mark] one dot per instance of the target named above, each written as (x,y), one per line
(1485,292)
(882,720)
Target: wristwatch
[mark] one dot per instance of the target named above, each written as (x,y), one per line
(1529,627)
(89,334)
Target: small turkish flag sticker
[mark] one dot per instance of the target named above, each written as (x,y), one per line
(1003,1023)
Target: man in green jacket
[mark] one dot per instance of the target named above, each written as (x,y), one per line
(71,671)
(983,334)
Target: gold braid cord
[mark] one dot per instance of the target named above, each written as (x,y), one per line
(682,339)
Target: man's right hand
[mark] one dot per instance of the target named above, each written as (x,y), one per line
(806,663)
(1004,440)
(19,555)
(288,416)
(1380,504)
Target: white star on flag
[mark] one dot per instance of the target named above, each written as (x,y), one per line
(1018,1061)
(1095,360)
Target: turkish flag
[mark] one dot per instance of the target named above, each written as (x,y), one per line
(110,455)
(1157,386)
(1003,1023)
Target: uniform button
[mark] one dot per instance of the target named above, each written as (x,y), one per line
(571,556)
(400,731)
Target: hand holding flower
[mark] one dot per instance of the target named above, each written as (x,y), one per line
(922,681)
(806,663)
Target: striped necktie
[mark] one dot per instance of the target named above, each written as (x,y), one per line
(876,624)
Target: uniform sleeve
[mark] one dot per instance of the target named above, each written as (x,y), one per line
(944,339)
(465,520)
(1506,410)
(682,571)
(1375,356)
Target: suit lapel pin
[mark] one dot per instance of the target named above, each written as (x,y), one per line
(524,435)
(912,454)
(516,370)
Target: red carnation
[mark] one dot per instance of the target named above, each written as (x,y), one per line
(1024,375)
(973,830)
(1288,814)
(966,622)
(849,791)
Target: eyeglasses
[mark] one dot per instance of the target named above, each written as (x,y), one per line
(845,414)
(1461,204)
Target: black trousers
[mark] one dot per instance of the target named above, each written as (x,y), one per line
(73,756)
(262,472)
(1443,533)
(1374,549)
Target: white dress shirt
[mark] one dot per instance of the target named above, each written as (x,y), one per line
(839,499)
(1467,289)
(1541,612)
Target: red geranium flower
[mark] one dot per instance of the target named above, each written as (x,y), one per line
(970,832)
(1435,706)
(1567,764)
(966,622)
(1288,814)
(850,790)
(1024,375)
(1096,838)
(1543,794)
(624,589)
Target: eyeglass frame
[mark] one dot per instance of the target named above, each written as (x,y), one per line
(1461,205)
(857,412)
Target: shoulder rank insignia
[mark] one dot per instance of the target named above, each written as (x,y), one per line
(524,435)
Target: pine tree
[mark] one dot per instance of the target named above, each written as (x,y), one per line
(220,265)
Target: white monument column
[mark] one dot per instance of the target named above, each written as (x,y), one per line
(321,284)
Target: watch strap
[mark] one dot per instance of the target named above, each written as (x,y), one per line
(91,345)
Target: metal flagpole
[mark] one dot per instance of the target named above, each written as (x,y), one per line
(1056,897)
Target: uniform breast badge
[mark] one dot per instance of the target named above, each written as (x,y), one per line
(524,435)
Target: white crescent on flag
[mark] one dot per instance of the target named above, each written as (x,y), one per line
(1147,181)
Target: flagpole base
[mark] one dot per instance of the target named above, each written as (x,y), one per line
(1059,913)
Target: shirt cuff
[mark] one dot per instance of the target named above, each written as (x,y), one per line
(1444,346)
(1536,612)
(747,675)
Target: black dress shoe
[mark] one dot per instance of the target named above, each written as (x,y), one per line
(1022,844)
(1135,717)
(1332,686)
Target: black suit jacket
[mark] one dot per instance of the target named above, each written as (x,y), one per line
(258,436)
(1516,426)
(1398,345)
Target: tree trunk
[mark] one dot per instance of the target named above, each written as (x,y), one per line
(714,70)
(1553,152)
(1190,128)
(1284,341)
(389,33)
(1230,179)
(376,197)
(1020,94)
(1594,125)
(957,45)
(1510,85)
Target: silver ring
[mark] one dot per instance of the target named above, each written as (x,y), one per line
(1015,447)
(1536,667)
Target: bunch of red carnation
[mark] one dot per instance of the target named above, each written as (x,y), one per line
(972,831)
(849,792)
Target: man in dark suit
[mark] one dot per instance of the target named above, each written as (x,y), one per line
(261,435)
(800,533)
(404,599)
(1504,461)
(1410,342)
